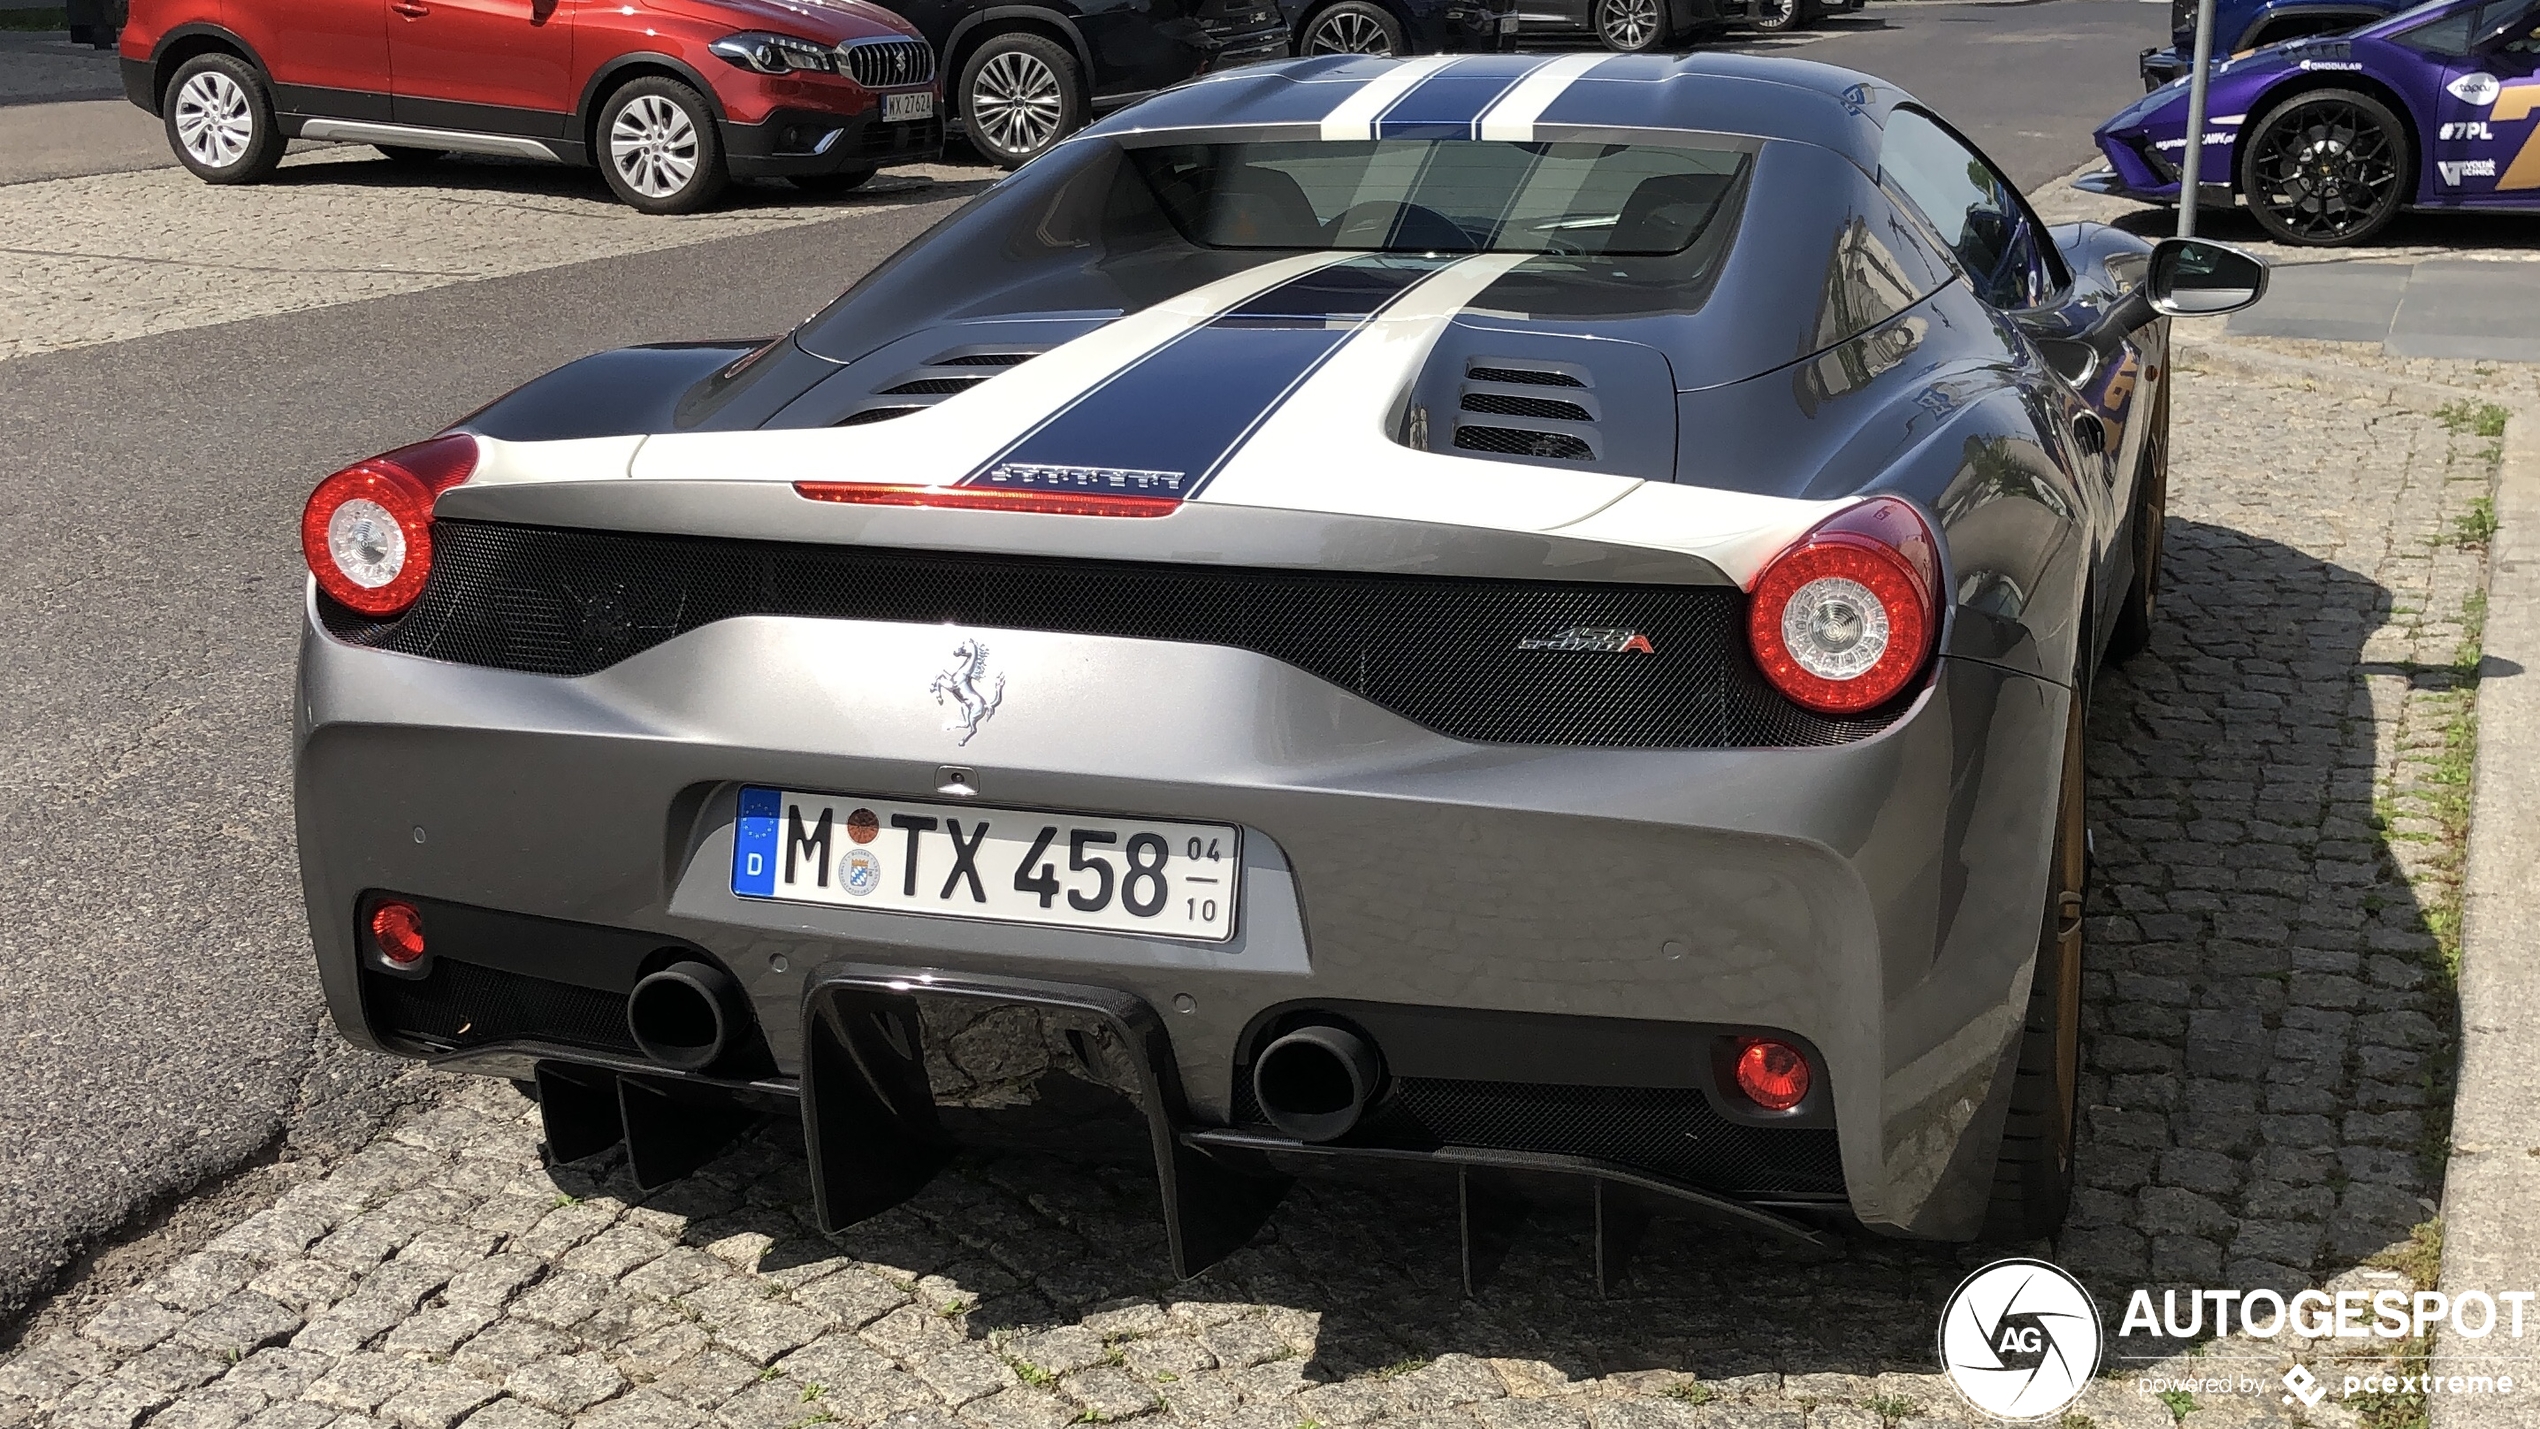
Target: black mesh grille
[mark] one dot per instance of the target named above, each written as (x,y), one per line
(1560,446)
(1441,651)
(464,1005)
(874,414)
(987,359)
(889,64)
(1503,404)
(1667,1131)
(932,386)
(1526,376)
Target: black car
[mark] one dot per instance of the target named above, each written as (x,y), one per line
(1020,77)
(1400,27)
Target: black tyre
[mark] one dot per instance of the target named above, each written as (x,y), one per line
(2325,167)
(1632,26)
(844,182)
(2033,1179)
(407,158)
(2133,632)
(219,120)
(1779,15)
(659,148)
(1352,27)
(1020,94)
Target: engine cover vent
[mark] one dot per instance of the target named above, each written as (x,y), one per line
(1495,390)
(939,377)
(1557,429)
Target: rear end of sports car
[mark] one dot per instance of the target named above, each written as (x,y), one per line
(1078,806)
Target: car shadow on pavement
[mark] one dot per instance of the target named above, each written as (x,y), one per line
(2269,1032)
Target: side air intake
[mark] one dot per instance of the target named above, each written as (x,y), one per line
(1528,407)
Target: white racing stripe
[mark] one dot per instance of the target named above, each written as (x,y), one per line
(943,443)
(1513,117)
(1330,448)
(1355,117)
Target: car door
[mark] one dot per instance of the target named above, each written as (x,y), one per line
(2010,260)
(483,66)
(2485,147)
(326,57)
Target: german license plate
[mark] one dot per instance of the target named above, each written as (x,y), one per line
(901,108)
(1002,865)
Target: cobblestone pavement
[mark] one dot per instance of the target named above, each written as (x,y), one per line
(2269,1021)
(115,256)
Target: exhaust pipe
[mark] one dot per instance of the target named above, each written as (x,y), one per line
(1315,1082)
(687,1015)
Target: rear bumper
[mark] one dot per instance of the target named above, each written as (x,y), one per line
(1876,901)
(805,141)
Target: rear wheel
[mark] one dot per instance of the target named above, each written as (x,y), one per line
(1019,95)
(1632,26)
(2133,633)
(659,148)
(220,121)
(2326,167)
(1352,27)
(2033,1179)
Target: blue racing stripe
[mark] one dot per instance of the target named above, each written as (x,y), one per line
(1165,424)
(1450,103)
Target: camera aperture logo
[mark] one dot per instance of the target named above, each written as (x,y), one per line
(2020,1339)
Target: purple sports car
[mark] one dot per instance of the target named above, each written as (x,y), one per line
(2328,139)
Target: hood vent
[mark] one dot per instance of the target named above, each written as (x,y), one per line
(1506,406)
(947,373)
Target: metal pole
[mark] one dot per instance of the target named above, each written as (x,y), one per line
(2190,161)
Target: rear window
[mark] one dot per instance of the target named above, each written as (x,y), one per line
(1443,195)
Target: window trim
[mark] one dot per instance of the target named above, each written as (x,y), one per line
(2060,276)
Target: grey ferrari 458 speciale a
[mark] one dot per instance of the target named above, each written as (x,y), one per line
(1516,617)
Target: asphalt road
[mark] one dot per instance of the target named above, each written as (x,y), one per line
(157,1010)
(2026,82)
(157,1007)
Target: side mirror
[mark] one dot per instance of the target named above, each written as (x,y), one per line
(2192,277)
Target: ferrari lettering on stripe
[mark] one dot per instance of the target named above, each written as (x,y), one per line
(1040,476)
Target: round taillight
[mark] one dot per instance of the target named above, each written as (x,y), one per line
(1844,618)
(398,929)
(1773,1074)
(367,530)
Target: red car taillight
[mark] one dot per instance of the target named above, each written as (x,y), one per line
(1846,616)
(367,530)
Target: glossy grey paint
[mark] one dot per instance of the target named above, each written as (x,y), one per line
(1879,898)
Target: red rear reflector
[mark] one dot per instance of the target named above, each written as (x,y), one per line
(398,927)
(1772,1074)
(988,498)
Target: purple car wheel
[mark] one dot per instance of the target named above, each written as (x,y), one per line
(2327,167)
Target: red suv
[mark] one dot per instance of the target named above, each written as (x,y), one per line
(669,97)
